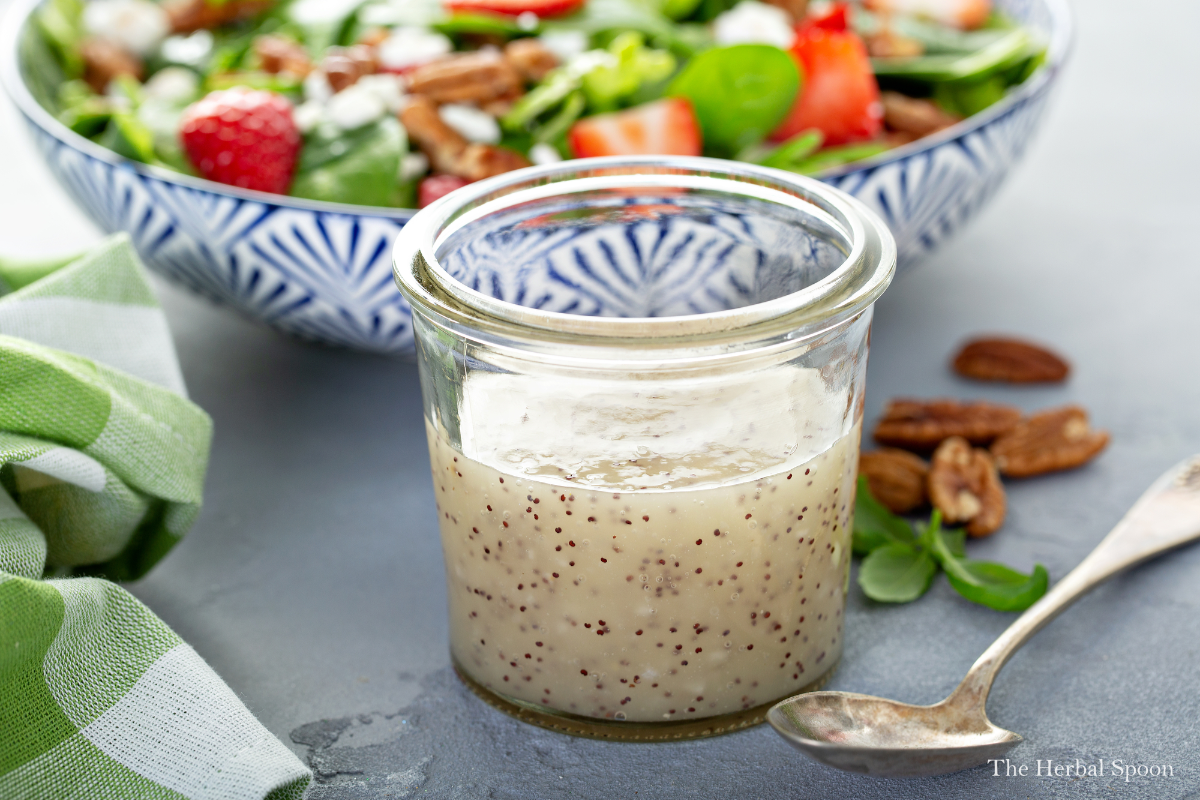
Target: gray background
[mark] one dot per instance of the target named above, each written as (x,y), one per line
(313,581)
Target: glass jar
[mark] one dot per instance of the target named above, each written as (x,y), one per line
(643,383)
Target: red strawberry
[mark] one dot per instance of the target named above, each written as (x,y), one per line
(242,137)
(664,127)
(542,8)
(840,96)
(435,187)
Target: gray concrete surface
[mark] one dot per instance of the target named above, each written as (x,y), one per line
(313,581)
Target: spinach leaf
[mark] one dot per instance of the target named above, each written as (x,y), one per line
(358,166)
(128,136)
(874,525)
(897,573)
(739,93)
(1001,53)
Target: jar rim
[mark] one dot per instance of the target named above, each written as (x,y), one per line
(846,291)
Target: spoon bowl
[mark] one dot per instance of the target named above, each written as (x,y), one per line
(874,736)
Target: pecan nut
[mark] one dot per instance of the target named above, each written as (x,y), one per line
(1011,360)
(1049,441)
(446,148)
(896,478)
(103,60)
(477,77)
(531,58)
(964,486)
(922,425)
(279,54)
(192,15)
(912,115)
(886,43)
(343,66)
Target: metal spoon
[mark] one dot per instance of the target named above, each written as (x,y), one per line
(860,733)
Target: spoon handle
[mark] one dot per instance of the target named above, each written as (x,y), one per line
(1166,516)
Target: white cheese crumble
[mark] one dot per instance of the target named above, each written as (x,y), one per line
(192,49)
(138,26)
(752,22)
(316,87)
(308,115)
(409,46)
(172,85)
(544,154)
(387,87)
(473,124)
(413,166)
(564,44)
(354,107)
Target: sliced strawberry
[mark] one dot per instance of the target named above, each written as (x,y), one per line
(664,127)
(840,96)
(435,187)
(514,8)
(242,137)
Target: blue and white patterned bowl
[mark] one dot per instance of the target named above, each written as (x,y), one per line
(323,271)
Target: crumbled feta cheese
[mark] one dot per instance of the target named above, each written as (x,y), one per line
(308,115)
(192,49)
(172,85)
(138,26)
(387,87)
(473,124)
(316,87)
(409,46)
(564,44)
(527,21)
(354,107)
(413,166)
(544,154)
(751,22)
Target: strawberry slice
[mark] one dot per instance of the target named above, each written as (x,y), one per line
(242,137)
(435,187)
(840,95)
(515,8)
(664,127)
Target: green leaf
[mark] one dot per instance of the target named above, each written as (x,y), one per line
(997,586)
(841,155)
(1003,52)
(897,573)
(463,22)
(989,584)
(352,167)
(739,93)
(128,136)
(874,525)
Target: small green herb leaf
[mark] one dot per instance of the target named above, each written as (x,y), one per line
(874,525)
(996,586)
(897,573)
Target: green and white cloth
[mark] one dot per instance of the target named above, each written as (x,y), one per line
(102,462)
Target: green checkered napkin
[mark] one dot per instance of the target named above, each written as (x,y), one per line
(102,462)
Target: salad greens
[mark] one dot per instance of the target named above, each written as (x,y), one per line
(739,89)
(739,93)
(900,564)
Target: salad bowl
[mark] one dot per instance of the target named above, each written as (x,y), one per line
(323,271)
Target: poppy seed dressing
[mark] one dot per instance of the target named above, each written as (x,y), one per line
(661,587)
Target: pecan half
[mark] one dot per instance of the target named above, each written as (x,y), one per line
(797,9)
(964,486)
(278,54)
(192,15)
(896,478)
(103,61)
(343,66)
(912,115)
(477,77)
(531,58)
(922,425)
(886,43)
(1011,360)
(446,148)
(1052,440)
